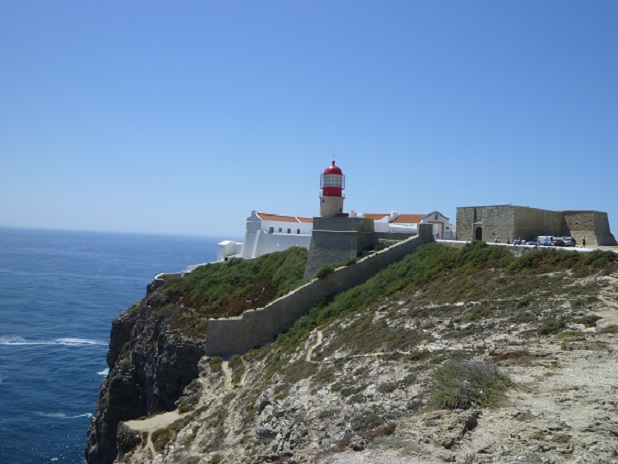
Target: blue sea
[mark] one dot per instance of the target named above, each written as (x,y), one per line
(59,291)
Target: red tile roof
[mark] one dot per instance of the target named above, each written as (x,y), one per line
(409,219)
(375,217)
(277,217)
(401,219)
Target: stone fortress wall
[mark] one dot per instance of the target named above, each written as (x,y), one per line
(594,225)
(507,221)
(236,335)
(337,240)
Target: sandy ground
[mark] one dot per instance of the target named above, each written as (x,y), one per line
(153,423)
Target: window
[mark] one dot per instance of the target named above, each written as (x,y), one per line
(332,180)
(280,229)
(435,217)
(289,230)
(298,231)
(271,230)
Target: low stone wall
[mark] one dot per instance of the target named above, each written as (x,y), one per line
(236,335)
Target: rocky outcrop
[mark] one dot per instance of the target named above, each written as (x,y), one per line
(150,363)
(359,387)
(343,397)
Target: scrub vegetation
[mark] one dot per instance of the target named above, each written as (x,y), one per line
(230,288)
(439,276)
(466,384)
(414,340)
(471,290)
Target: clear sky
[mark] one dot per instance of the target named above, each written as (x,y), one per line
(182,117)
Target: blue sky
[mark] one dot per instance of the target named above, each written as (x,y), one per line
(182,117)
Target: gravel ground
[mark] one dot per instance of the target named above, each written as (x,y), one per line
(378,457)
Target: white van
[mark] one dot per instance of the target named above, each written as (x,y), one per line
(545,240)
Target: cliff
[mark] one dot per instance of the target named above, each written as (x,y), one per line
(450,355)
(151,360)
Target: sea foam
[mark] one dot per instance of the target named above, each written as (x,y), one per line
(21,341)
(62,415)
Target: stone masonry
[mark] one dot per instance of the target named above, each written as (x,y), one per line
(337,240)
(511,222)
(236,335)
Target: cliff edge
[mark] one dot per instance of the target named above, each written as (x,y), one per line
(151,360)
(467,356)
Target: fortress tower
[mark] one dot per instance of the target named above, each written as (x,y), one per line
(332,183)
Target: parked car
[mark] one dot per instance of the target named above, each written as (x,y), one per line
(545,240)
(533,242)
(558,242)
(569,241)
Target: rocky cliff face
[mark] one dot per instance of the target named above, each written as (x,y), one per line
(150,363)
(364,378)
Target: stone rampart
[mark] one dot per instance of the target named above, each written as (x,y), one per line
(338,240)
(594,225)
(531,222)
(507,221)
(236,335)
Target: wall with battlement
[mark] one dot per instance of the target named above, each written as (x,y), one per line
(236,335)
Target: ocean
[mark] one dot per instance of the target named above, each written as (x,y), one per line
(59,292)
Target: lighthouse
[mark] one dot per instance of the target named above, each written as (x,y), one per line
(332,183)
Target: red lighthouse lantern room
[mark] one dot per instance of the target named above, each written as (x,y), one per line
(332,181)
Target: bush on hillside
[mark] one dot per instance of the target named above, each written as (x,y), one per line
(479,255)
(465,384)
(231,287)
(582,264)
(325,270)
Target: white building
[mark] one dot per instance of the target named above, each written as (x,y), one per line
(267,233)
(408,223)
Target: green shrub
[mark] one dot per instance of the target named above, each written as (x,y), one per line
(589,320)
(480,312)
(465,384)
(366,421)
(162,437)
(238,369)
(582,264)
(324,271)
(610,329)
(216,364)
(188,403)
(388,387)
(216,459)
(551,326)
(479,255)
(229,288)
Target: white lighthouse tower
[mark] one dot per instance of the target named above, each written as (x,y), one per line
(332,183)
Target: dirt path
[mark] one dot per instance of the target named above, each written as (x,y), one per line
(227,375)
(317,343)
(160,421)
(151,424)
